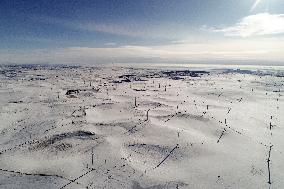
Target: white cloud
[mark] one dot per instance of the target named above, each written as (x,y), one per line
(256,25)
(130,28)
(124,30)
(110,44)
(234,49)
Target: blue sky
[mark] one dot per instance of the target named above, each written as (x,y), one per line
(107,31)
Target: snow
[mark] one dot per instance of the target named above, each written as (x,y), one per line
(210,129)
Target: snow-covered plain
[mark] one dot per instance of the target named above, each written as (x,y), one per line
(87,127)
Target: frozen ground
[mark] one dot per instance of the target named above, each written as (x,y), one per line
(80,127)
